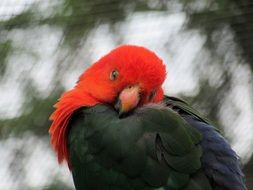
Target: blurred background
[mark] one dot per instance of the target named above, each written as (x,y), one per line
(46,44)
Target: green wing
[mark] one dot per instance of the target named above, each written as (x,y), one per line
(176,103)
(154,148)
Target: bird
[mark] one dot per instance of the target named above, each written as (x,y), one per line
(117,130)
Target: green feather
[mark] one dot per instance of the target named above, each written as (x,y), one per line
(153,148)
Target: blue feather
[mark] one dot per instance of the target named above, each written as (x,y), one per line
(220,163)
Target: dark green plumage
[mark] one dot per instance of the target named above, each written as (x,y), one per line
(153,148)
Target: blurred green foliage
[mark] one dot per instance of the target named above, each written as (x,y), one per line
(35,116)
(5,49)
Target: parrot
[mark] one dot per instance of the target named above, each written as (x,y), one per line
(117,130)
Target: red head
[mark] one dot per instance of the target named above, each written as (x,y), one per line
(129,75)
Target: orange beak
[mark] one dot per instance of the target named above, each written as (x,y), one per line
(128,99)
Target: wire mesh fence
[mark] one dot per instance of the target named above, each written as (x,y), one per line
(45,46)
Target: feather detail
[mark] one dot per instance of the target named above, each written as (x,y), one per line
(65,107)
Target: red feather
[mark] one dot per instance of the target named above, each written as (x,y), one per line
(68,103)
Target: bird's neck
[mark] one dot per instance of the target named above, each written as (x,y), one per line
(67,105)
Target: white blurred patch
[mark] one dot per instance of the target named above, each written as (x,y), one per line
(237,112)
(37,160)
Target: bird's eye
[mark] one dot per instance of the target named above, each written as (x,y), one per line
(114,75)
(151,95)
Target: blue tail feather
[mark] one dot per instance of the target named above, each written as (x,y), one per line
(220,163)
